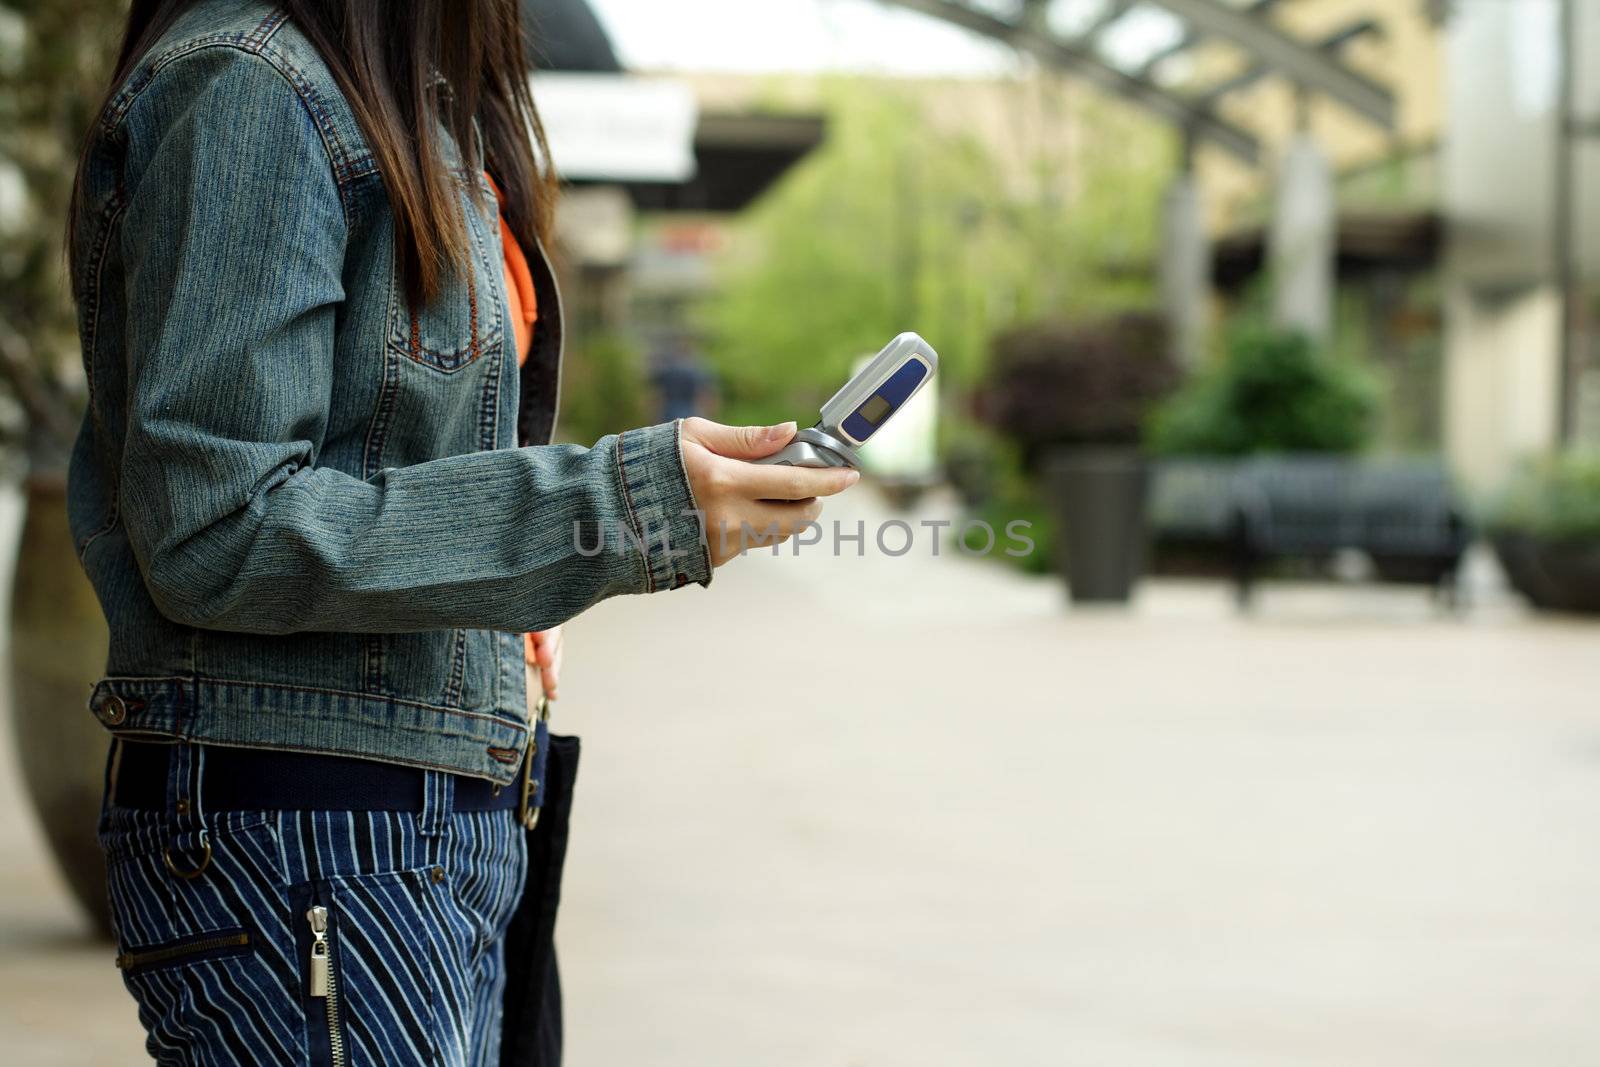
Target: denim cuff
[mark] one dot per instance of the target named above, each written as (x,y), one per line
(662,508)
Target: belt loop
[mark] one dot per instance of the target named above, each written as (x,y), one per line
(188,851)
(438,796)
(184,769)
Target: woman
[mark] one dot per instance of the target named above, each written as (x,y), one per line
(315,495)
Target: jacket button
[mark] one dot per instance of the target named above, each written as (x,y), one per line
(114,711)
(437,874)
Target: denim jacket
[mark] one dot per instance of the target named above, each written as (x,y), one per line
(316,518)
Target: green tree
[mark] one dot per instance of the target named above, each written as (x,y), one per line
(897,222)
(54,61)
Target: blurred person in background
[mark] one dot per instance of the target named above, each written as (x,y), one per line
(683,384)
(315,495)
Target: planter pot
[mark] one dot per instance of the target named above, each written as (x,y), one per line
(1553,575)
(58,650)
(1098,496)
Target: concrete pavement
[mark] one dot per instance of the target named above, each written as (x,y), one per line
(870,812)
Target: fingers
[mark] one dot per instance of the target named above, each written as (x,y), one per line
(738,442)
(552,673)
(762,482)
(542,648)
(746,504)
(545,648)
(765,523)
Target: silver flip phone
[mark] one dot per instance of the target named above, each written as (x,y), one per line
(863,406)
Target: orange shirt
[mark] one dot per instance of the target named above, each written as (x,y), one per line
(519,283)
(524,313)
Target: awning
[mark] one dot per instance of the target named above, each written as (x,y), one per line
(1365,243)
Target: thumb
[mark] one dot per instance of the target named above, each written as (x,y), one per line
(739,442)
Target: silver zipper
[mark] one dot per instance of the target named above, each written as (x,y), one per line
(322,981)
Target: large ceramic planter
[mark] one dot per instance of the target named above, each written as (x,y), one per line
(1553,575)
(1098,496)
(58,649)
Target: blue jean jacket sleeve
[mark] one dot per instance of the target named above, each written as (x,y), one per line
(230,350)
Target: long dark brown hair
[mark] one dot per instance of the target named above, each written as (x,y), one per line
(389,57)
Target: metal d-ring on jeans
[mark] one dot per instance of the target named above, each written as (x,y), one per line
(264,917)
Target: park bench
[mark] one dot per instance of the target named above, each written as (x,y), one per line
(1403,513)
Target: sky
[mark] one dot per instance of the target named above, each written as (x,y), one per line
(868,36)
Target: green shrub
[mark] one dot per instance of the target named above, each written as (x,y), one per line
(1556,498)
(1274,392)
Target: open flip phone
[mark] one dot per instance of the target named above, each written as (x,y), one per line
(863,406)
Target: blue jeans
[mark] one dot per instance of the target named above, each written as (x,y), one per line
(322,937)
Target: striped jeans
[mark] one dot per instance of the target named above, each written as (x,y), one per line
(315,937)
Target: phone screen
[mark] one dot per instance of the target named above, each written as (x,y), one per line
(875,409)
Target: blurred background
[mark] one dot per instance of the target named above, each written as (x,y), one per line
(1279,321)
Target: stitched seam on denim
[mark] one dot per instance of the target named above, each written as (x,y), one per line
(489,400)
(649,503)
(343,169)
(143,678)
(458,667)
(382,413)
(117,108)
(90,349)
(633,520)
(489,403)
(185,731)
(493,335)
(473,344)
(374,648)
(388,391)
(694,503)
(373,656)
(268,27)
(123,102)
(491,260)
(417,352)
(490,433)
(322,118)
(285,71)
(198,680)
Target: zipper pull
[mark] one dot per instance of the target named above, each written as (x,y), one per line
(317,916)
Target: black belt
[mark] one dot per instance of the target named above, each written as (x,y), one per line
(250,779)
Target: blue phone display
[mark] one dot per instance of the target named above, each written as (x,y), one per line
(864,421)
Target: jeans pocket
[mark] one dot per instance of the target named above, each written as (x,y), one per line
(463,320)
(205,958)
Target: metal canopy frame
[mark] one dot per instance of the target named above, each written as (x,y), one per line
(1248,77)
(1191,37)
(1313,66)
(1304,64)
(1080,58)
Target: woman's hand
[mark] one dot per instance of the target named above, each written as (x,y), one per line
(774,501)
(544,653)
